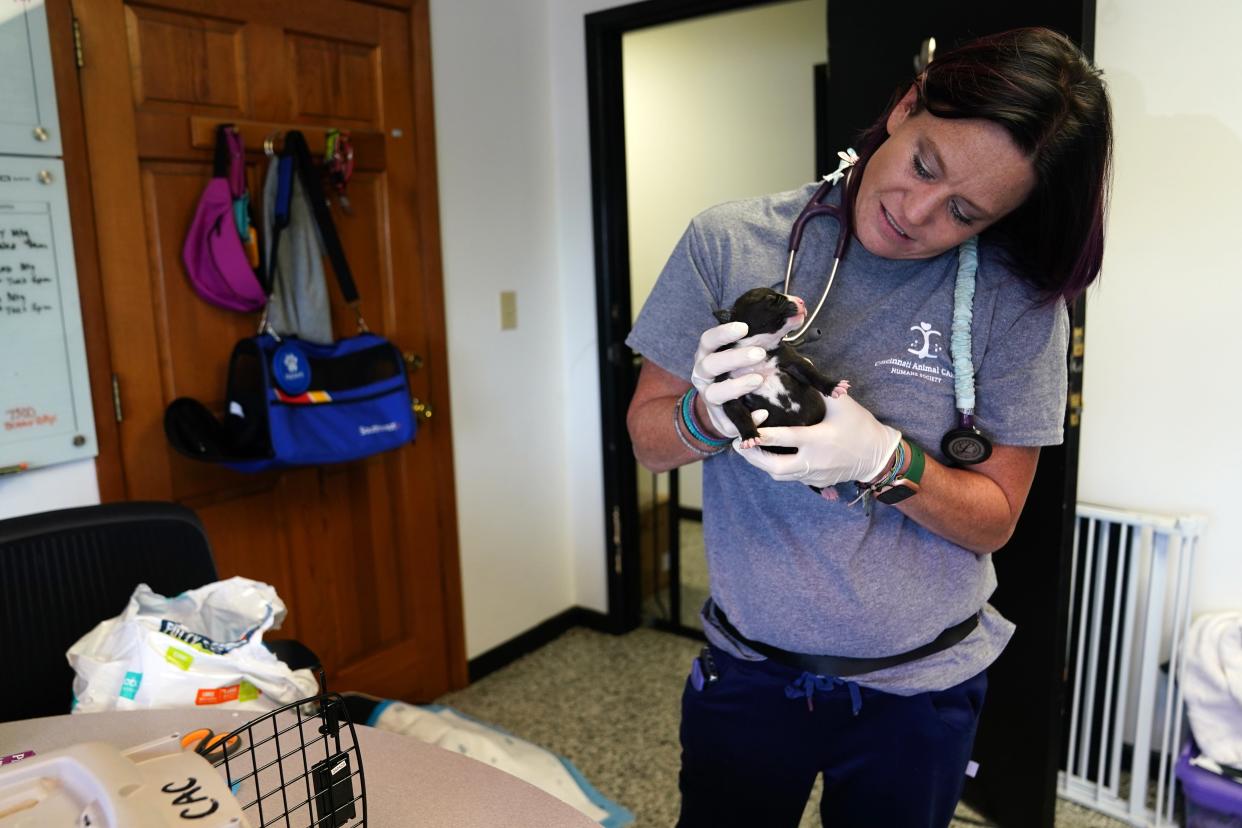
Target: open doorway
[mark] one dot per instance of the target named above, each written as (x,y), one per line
(689,145)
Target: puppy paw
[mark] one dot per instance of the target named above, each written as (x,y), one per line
(843,388)
(830,494)
(751,442)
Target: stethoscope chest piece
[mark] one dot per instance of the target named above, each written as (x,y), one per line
(966,446)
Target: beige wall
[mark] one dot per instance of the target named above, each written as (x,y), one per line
(1162,396)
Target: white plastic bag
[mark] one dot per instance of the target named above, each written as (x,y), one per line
(203,647)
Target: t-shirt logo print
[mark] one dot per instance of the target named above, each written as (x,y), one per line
(291,363)
(926,349)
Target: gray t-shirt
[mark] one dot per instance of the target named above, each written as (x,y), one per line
(805,574)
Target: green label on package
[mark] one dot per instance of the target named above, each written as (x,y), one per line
(178,658)
(248,692)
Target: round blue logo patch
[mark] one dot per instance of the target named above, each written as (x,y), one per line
(291,369)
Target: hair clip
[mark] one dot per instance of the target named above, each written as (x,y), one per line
(848,159)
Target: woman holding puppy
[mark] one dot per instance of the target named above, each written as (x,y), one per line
(851,636)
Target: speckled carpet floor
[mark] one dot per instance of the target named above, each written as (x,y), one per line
(611,705)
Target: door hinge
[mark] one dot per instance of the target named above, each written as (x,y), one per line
(616,539)
(77,43)
(116,397)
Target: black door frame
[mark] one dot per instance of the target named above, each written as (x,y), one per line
(609,199)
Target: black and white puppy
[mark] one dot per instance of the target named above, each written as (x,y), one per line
(792,385)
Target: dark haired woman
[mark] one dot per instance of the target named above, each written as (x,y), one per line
(852,638)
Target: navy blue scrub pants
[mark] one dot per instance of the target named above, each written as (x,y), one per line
(754,740)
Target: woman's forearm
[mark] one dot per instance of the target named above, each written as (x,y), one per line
(656,444)
(652,426)
(975,508)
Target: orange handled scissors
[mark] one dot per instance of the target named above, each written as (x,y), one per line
(211,745)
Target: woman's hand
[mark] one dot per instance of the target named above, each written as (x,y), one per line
(709,364)
(848,444)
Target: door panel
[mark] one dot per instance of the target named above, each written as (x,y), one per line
(170,193)
(185,59)
(333,79)
(364,554)
(246,542)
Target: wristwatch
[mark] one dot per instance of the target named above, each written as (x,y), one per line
(906,485)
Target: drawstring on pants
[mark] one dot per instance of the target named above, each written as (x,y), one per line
(807,684)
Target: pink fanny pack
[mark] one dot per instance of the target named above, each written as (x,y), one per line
(214,257)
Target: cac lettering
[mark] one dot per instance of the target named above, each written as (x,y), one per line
(186,796)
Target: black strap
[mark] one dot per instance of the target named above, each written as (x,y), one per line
(295,145)
(221,161)
(838,666)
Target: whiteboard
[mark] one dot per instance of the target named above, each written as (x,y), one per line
(45,401)
(29,124)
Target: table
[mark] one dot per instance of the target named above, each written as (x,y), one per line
(409,783)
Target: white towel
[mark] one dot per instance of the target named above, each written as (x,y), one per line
(1212,682)
(451,730)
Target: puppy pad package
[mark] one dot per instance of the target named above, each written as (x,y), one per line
(201,648)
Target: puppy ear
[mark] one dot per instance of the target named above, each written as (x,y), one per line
(723,315)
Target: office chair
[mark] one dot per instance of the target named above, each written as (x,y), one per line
(63,572)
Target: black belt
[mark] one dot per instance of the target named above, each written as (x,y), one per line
(826,665)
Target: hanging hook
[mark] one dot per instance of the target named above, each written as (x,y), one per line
(362,323)
(269,143)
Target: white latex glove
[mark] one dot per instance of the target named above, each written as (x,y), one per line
(848,444)
(708,365)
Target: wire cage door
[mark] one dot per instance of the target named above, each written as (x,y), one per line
(299,766)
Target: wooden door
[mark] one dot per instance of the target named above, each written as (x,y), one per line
(364,553)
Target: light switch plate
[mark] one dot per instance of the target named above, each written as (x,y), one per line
(508,310)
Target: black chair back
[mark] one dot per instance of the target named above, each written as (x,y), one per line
(63,572)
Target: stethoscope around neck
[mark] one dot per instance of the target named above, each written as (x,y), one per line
(966,444)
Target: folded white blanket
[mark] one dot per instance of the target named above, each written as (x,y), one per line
(1212,683)
(556,775)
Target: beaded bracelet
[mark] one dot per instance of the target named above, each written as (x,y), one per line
(681,435)
(899,460)
(689,420)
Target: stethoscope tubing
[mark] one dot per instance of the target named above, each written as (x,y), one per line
(814,208)
(963,302)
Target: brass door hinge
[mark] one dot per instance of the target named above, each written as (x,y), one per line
(77,44)
(1075,409)
(116,398)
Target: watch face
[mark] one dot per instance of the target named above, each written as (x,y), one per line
(899,492)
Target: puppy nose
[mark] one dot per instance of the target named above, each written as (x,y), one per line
(798,303)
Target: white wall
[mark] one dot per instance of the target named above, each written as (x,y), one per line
(575,279)
(1161,388)
(495,138)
